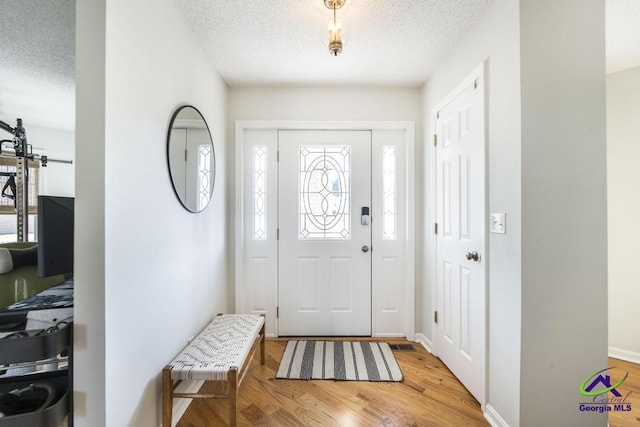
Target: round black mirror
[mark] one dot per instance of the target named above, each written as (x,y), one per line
(191,158)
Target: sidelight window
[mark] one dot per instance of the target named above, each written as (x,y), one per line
(204,175)
(259,192)
(389,192)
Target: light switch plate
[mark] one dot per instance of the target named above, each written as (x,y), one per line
(498,223)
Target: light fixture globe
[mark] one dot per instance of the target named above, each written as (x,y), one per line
(335,28)
(335,47)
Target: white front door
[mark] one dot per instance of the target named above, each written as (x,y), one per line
(324,243)
(460,241)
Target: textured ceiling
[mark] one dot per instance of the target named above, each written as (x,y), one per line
(37,62)
(266,42)
(282,42)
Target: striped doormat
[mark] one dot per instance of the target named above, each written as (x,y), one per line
(339,360)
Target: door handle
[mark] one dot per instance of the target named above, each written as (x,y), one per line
(473,256)
(365,248)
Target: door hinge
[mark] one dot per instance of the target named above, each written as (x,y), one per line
(185,155)
(475,84)
(277,312)
(435,140)
(277,234)
(435,317)
(435,228)
(277,156)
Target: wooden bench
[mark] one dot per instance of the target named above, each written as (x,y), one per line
(222,354)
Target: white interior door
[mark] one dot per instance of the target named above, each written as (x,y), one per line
(325,261)
(460,241)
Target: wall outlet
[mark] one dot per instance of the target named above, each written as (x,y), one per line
(498,223)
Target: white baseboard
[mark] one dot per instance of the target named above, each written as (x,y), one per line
(180,405)
(425,341)
(629,356)
(491,415)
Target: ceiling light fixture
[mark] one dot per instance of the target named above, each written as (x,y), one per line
(335,28)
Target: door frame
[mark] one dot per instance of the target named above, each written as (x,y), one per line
(409,176)
(477,73)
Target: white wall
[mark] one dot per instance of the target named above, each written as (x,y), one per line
(152,274)
(623,152)
(58,179)
(564,222)
(324,104)
(89,392)
(494,39)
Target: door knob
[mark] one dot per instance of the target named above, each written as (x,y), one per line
(365,248)
(473,256)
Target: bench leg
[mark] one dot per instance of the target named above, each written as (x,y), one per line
(233,396)
(167,398)
(262,338)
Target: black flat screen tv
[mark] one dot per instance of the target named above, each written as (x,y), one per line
(55,236)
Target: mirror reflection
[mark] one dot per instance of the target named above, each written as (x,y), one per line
(191,158)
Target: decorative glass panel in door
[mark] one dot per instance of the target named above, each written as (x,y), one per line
(324,187)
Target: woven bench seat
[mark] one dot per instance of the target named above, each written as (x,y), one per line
(221,353)
(224,343)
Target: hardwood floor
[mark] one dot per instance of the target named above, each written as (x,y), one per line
(632,384)
(429,396)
